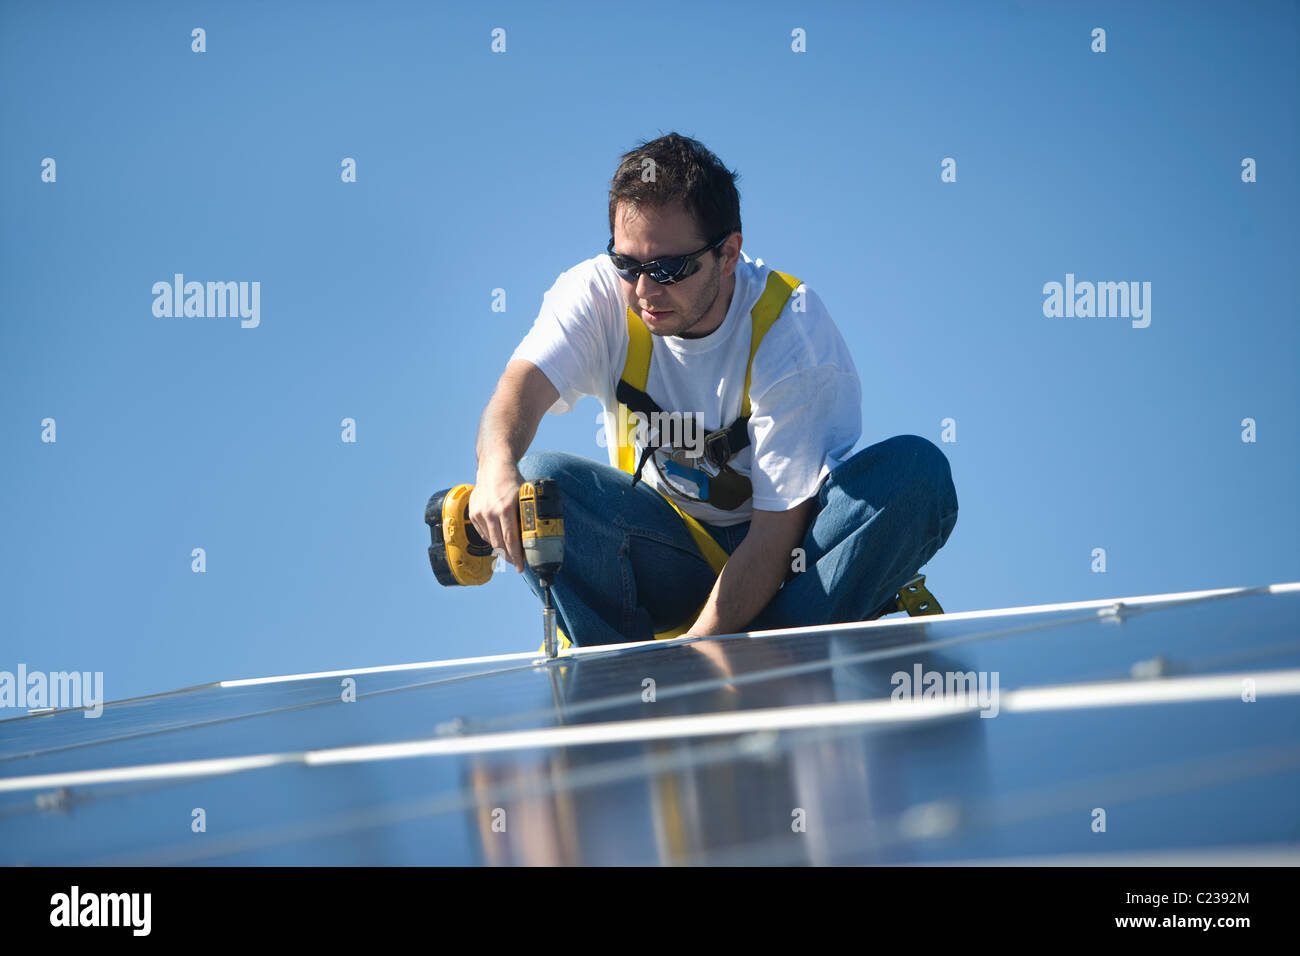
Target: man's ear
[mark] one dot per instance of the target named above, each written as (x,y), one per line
(731,251)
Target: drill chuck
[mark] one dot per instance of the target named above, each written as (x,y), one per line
(541,525)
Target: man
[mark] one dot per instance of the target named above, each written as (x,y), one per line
(712,522)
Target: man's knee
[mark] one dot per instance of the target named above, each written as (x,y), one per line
(580,479)
(929,464)
(931,474)
(545,464)
(915,462)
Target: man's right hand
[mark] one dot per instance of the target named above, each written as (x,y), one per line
(509,423)
(494,511)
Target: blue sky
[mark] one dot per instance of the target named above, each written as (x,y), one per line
(479,170)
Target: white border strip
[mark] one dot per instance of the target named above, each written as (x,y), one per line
(1180,596)
(252,681)
(881,711)
(1131,692)
(457,662)
(824,628)
(154,771)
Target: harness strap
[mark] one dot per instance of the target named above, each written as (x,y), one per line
(780,287)
(726,444)
(631,395)
(631,390)
(636,371)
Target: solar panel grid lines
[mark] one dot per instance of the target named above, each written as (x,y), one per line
(903,827)
(251,714)
(1107,694)
(940,819)
(1099,605)
(631,697)
(1141,712)
(466,799)
(592,654)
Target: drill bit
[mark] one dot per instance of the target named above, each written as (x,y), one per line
(549,639)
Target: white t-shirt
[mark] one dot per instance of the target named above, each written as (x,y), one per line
(805,397)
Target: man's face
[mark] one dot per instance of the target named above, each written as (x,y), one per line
(691,307)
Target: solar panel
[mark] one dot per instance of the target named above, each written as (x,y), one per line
(1108,729)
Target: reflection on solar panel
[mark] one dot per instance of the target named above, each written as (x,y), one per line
(1111,731)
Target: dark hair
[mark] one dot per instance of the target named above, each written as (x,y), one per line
(684,171)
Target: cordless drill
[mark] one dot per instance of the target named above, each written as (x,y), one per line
(460,556)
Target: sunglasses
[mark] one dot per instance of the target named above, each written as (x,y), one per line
(664,271)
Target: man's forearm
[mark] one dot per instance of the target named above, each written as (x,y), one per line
(503,434)
(514,411)
(747,583)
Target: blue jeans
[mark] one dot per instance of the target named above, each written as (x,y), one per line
(632,569)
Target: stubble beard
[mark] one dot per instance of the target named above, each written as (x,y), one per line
(705,301)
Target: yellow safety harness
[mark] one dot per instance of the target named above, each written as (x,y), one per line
(914,598)
(636,373)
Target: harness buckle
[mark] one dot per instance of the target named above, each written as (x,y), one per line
(717,447)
